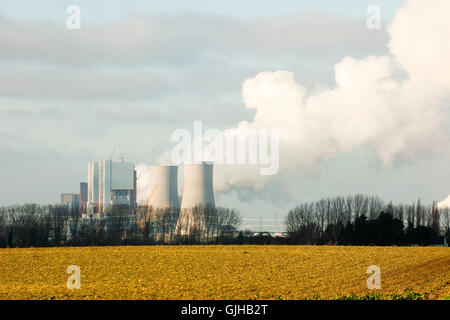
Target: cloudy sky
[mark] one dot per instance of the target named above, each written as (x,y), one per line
(360,110)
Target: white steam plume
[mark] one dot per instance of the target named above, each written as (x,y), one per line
(392,104)
(143,176)
(142,183)
(444,204)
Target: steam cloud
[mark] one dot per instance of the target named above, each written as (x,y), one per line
(444,204)
(392,104)
(142,183)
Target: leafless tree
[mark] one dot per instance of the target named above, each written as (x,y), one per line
(349,208)
(145,219)
(3,228)
(434,217)
(227,220)
(445,220)
(411,209)
(421,214)
(172,218)
(303,221)
(26,223)
(375,207)
(58,219)
(360,204)
(398,212)
(322,211)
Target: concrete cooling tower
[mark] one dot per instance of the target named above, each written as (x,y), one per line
(197,185)
(163,187)
(198,195)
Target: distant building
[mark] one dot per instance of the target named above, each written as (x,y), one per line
(83,192)
(111,183)
(70,199)
(93,184)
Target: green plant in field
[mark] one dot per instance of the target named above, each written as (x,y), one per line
(410,295)
(407,295)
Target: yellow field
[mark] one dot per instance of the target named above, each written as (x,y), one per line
(221,272)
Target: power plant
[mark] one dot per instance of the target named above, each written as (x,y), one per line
(111,183)
(114,183)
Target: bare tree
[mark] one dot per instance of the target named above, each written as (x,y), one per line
(58,219)
(411,209)
(360,204)
(145,220)
(375,207)
(227,221)
(26,224)
(445,220)
(349,207)
(3,228)
(434,217)
(420,214)
(398,212)
(303,222)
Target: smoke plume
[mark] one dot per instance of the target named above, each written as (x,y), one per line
(391,104)
(142,183)
(444,204)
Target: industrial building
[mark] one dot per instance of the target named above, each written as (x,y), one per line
(70,199)
(111,183)
(114,183)
(83,192)
(92,184)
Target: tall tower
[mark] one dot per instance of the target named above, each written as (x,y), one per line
(92,184)
(197,185)
(197,200)
(164,180)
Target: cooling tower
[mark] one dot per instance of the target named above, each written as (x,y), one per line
(163,187)
(198,198)
(197,185)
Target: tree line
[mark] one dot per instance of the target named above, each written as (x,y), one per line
(365,220)
(34,225)
(352,220)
